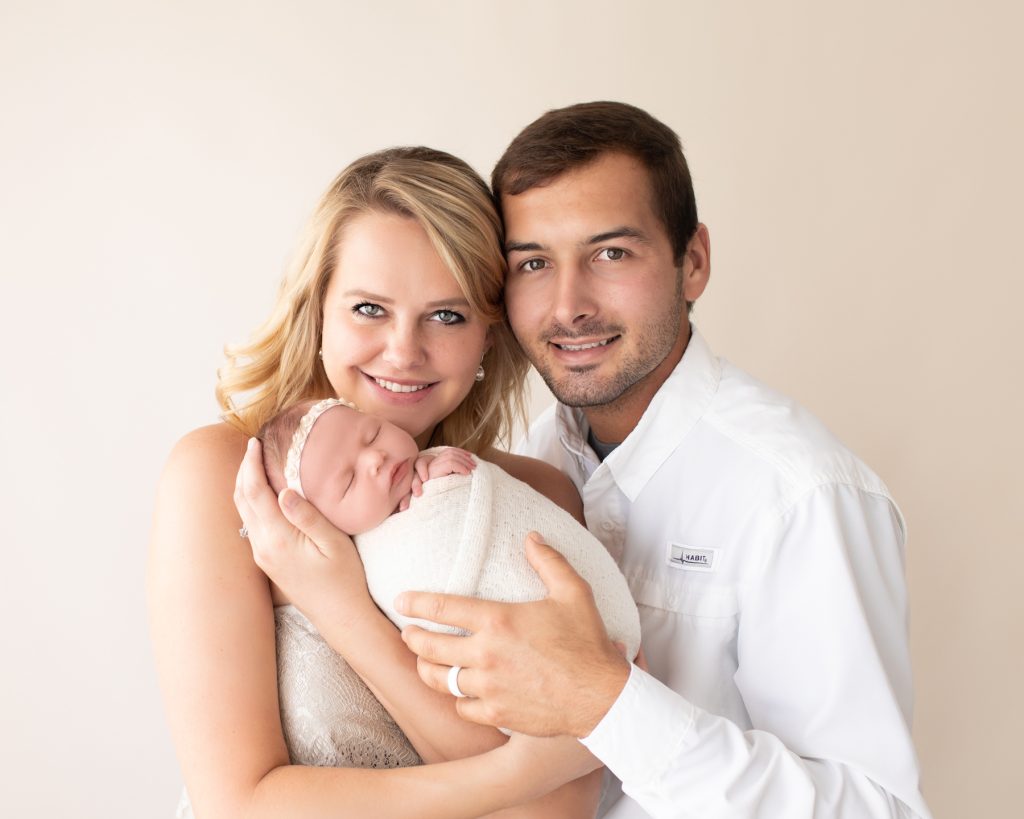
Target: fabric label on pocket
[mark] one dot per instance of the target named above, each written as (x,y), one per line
(681,556)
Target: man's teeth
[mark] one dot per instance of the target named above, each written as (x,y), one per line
(575,347)
(393,387)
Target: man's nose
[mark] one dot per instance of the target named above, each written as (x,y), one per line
(574,300)
(404,348)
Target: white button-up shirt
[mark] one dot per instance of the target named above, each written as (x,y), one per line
(767,564)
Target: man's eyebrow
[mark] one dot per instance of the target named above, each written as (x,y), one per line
(522,247)
(621,232)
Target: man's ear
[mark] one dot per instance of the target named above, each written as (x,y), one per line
(697,264)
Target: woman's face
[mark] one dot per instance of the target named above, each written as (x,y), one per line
(400,340)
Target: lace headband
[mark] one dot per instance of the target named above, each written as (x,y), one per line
(291,466)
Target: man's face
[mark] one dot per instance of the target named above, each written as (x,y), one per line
(593,293)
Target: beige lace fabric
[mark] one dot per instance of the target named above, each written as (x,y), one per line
(329,717)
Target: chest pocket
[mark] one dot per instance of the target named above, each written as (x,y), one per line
(686,593)
(689,627)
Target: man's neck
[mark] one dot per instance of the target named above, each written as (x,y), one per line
(613,421)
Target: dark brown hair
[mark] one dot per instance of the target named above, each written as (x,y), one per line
(568,138)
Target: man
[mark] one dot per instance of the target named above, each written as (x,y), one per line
(765,559)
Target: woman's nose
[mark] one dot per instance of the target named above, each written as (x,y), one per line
(404,349)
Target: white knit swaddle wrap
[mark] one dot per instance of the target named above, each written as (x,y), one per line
(465,536)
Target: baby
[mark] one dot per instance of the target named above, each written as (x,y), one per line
(438,520)
(356,469)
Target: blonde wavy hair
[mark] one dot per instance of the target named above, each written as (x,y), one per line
(280,366)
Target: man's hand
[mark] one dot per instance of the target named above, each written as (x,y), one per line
(543,668)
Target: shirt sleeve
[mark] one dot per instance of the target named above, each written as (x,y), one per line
(824,671)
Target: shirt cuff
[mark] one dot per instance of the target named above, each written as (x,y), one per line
(643,730)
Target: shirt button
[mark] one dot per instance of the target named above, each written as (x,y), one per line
(607,525)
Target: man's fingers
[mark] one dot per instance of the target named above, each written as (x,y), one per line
(557,574)
(437,649)
(435,675)
(448,609)
(468,707)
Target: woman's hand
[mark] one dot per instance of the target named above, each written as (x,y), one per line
(549,762)
(315,565)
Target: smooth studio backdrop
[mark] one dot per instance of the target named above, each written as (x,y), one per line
(858,165)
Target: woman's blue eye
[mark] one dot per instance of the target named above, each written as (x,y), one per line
(368,309)
(449,317)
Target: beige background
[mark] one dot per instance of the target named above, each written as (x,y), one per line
(859,166)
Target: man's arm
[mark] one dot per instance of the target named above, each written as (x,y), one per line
(823,669)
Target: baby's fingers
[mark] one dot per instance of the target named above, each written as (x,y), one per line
(423,467)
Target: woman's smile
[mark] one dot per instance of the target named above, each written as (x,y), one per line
(400,339)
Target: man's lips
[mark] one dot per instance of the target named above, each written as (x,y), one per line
(577,345)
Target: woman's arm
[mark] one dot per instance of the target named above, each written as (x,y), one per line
(318,569)
(213,630)
(542,477)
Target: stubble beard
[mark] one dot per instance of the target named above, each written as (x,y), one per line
(584,386)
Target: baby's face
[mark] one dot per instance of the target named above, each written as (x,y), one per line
(356,468)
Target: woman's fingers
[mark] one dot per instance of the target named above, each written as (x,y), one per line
(305,517)
(255,493)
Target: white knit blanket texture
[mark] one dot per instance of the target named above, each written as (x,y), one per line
(465,535)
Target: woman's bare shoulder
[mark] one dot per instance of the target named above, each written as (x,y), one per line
(195,511)
(200,473)
(213,439)
(216,448)
(541,476)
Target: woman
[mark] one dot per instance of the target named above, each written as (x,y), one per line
(394,302)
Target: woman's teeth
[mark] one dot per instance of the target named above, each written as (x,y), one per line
(393,387)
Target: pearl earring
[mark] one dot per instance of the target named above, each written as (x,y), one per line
(479,373)
(321,354)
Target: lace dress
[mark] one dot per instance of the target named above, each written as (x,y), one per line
(329,717)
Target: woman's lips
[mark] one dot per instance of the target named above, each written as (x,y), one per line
(400,392)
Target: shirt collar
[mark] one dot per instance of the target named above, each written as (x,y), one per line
(675,409)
